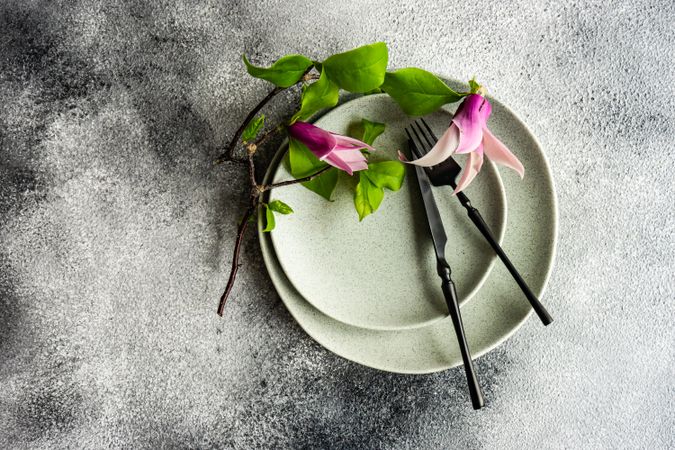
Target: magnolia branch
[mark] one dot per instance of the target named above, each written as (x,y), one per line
(255,189)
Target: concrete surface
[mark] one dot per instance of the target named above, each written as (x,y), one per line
(116,232)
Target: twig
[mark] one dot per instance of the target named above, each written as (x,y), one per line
(235,258)
(292,182)
(268,134)
(227,155)
(251,167)
(256,190)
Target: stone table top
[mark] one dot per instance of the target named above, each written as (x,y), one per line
(116,230)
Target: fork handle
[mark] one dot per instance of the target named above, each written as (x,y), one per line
(477,219)
(450,294)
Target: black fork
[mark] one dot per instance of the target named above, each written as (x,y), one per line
(444,174)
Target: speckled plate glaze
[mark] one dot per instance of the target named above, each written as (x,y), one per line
(497,310)
(380,273)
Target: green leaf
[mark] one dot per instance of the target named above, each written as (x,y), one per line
(474,85)
(371,130)
(303,163)
(367,197)
(359,70)
(386,174)
(321,94)
(253,128)
(372,182)
(285,72)
(324,184)
(280,207)
(417,91)
(269,219)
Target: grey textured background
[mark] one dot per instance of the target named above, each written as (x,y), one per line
(116,232)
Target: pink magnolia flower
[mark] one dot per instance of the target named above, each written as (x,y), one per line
(468,133)
(339,151)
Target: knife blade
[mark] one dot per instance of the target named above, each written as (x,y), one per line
(438,236)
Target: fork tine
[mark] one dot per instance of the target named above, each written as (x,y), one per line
(422,148)
(413,146)
(431,133)
(430,140)
(408,133)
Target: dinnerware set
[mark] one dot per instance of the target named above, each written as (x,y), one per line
(369,290)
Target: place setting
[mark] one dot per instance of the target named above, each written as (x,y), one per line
(402,232)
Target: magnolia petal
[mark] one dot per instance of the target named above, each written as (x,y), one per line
(500,154)
(470,118)
(484,110)
(469,141)
(344,142)
(336,161)
(358,165)
(318,141)
(473,166)
(349,148)
(349,161)
(443,149)
(351,156)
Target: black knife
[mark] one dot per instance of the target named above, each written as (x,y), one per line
(440,240)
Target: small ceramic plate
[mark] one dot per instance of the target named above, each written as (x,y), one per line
(380,273)
(497,310)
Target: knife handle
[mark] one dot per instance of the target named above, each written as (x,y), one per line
(477,219)
(450,294)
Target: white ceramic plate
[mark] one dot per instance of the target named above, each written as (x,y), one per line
(381,273)
(498,308)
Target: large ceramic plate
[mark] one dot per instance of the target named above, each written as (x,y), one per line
(381,273)
(497,310)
